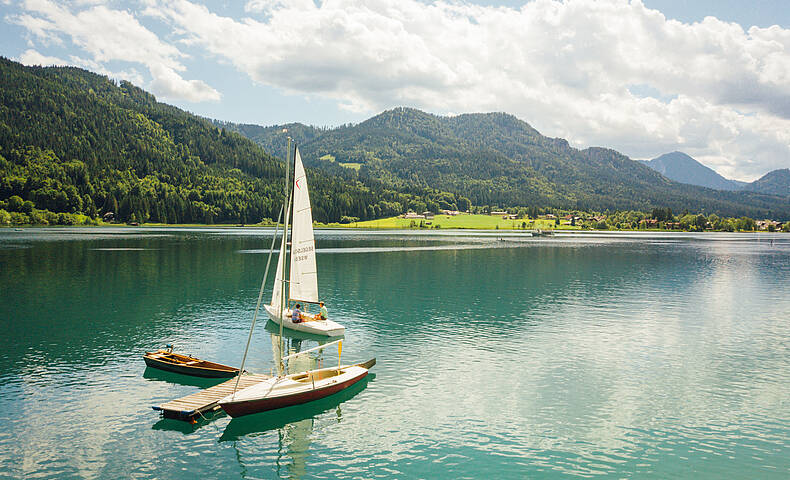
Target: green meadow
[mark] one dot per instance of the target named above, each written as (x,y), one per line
(482,222)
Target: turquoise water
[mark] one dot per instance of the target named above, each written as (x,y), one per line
(626,356)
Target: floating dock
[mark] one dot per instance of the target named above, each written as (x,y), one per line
(192,406)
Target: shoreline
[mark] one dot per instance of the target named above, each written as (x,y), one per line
(617,222)
(509,231)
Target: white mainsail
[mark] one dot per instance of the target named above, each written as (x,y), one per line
(304,275)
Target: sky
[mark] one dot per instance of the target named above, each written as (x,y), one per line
(710,78)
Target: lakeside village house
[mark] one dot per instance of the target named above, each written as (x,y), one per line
(767,224)
(759,224)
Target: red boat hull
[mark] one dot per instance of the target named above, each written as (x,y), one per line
(238,409)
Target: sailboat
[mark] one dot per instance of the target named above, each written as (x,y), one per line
(296,388)
(303,278)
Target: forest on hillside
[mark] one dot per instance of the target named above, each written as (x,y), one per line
(80,144)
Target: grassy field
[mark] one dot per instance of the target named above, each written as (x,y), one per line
(353,166)
(482,222)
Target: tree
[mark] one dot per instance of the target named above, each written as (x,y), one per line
(19,218)
(15,203)
(687,221)
(463,204)
(745,224)
(700,222)
(110,204)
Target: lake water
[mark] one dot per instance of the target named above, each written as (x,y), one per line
(500,356)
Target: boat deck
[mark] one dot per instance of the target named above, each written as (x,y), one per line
(192,406)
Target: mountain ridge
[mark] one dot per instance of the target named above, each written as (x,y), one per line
(775,182)
(499,160)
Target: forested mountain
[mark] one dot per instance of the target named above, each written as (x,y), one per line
(776,182)
(76,142)
(684,169)
(496,159)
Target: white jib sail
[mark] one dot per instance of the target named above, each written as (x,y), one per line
(304,276)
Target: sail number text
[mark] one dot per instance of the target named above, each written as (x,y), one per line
(300,253)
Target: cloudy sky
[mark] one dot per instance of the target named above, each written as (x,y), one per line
(707,77)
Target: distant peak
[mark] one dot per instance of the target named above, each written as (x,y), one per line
(683,168)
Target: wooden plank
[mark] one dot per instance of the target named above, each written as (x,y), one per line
(189,407)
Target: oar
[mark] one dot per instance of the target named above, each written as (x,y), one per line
(366,365)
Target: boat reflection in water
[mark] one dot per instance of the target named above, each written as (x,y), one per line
(294,425)
(156,374)
(294,342)
(283,418)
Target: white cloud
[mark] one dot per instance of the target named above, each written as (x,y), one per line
(171,85)
(108,35)
(33,58)
(131,74)
(566,67)
(569,67)
(43,30)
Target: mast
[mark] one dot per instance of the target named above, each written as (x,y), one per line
(283,296)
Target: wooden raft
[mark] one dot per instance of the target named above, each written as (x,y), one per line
(192,406)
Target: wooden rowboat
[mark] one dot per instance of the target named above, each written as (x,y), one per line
(176,362)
